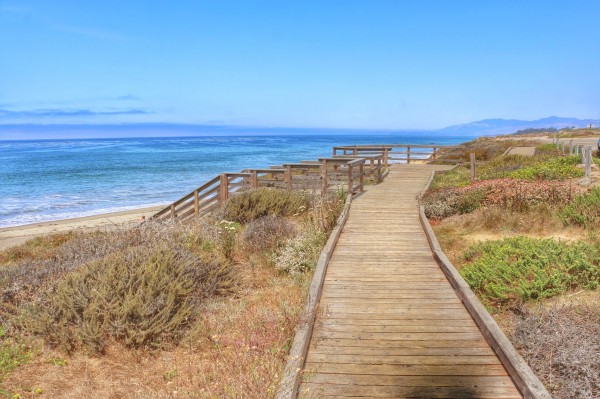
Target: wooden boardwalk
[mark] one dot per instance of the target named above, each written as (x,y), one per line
(391,326)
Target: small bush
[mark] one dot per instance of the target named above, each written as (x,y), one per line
(267,233)
(584,211)
(140,298)
(253,204)
(300,254)
(506,272)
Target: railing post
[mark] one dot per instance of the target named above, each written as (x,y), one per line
(355,152)
(361,169)
(196,203)
(288,176)
(562,147)
(407,154)
(254,179)
(385,155)
(350,181)
(324,182)
(223,188)
(173,215)
(379,171)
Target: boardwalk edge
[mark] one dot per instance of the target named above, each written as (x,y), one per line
(288,385)
(525,379)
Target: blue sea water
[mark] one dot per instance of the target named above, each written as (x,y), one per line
(44,180)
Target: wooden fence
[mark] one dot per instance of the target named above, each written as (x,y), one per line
(392,153)
(326,174)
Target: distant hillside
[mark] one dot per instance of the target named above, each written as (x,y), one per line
(490,127)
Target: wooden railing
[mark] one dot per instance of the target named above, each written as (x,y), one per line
(392,153)
(324,175)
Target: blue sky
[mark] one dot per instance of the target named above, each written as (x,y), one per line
(370,64)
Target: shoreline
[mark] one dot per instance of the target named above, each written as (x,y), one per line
(16,235)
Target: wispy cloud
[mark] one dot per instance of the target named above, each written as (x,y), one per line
(4,7)
(127,97)
(88,32)
(58,113)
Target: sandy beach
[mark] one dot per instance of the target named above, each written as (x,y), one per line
(11,236)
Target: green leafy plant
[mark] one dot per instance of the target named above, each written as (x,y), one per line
(506,272)
(12,354)
(551,169)
(584,211)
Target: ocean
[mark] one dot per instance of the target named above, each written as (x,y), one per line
(45,180)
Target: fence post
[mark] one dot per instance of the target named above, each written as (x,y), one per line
(361,169)
(288,176)
(562,147)
(350,180)
(223,188)
(385,155)
(196,203)
(254,179)
(472,156)
(324,182)
(407,154)
(173,215)
(577,150)
(588,162)
(570,147)
(355,152)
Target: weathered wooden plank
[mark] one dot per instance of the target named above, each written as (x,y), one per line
(424,392)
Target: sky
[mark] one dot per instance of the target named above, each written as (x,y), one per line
(371,64)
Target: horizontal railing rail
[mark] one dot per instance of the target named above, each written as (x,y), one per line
(393,153)
(324,175)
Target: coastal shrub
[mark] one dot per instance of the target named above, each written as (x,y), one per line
(584,211)
(506,272)
(42,247)
(547,149)
(267,232)
(324,211)
(253,204)
(139,298)
(504,165)
(457,177)
(300,254)
(551,169)
(522,195)
(439,204)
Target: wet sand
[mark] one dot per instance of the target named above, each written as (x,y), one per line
(11,236)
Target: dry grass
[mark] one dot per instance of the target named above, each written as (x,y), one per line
(234,345)
(236,348)
(38,248)
(560,339)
